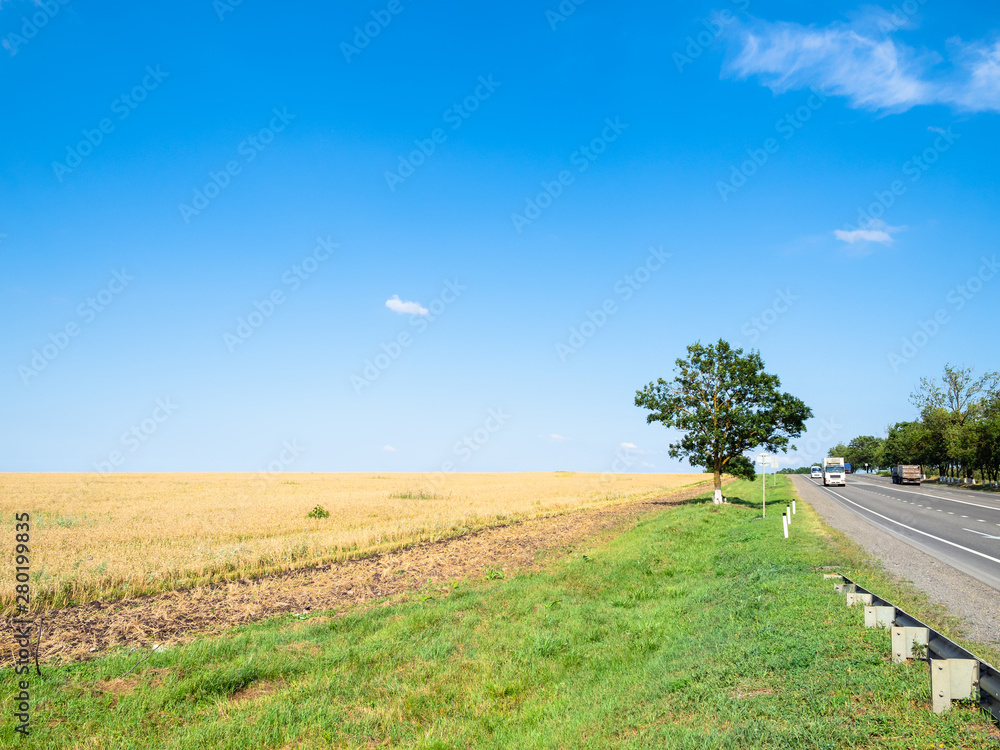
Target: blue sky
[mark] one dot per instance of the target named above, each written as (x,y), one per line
(404,236)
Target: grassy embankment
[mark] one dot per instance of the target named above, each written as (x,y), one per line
(700,627)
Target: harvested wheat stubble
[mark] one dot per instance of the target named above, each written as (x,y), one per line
(86,631)
(101,537)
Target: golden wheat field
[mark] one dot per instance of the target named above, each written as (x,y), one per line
(107,536)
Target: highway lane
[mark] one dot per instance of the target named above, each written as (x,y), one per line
(961,528)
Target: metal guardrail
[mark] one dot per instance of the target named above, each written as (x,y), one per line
(956,673)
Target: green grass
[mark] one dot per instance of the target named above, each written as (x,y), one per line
(699,628)
(412,495)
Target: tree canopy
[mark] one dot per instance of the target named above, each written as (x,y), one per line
(958,429)
(726,405)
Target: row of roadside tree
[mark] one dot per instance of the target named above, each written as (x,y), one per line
(957,432)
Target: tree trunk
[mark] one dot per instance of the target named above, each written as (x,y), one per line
(717,495)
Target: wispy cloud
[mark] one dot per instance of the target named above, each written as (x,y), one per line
(979,62)
(397,305)
(554,438)
(863,235)
(388,449)
(877,231)
(861,62)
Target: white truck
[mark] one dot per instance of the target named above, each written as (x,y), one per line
(834,472)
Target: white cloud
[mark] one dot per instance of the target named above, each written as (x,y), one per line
(554,438)
(859,60)
(388,448)
(863,235)
(397,305)
(979,88)
(629,446)
(876,231)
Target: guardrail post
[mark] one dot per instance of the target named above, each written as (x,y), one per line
(833,575)
(940,685)
(952,679)
(879,617)
(903,641)
(844,588)
(856,598)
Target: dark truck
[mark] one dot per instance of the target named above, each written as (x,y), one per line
(906,474)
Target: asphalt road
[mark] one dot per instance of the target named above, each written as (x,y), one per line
(958,527)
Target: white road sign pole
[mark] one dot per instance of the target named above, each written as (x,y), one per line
(762,458)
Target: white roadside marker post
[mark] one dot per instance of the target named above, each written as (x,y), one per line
(784,524)
(762,459)
(788,512)
(793,507)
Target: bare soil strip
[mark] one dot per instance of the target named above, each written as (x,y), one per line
(80,633)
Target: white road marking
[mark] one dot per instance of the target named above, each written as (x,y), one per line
(918,531)
(981,534)
(938,497)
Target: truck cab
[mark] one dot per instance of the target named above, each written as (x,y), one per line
(834,473)
(816,472)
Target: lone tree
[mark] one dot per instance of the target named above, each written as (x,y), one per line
(726,405)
